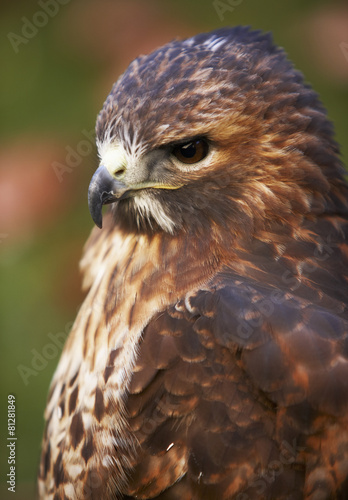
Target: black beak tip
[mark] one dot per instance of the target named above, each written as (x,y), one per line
(95,208)
(99,223)
(103,189)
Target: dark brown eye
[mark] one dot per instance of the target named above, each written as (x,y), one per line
(191,152)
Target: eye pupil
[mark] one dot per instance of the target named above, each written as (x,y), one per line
(191,152)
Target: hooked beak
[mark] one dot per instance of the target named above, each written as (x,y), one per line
(103,189)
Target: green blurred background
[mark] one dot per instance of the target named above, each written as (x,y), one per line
(56,70)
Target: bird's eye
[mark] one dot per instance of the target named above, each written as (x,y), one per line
(191,152)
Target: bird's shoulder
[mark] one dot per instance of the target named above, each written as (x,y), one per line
(269,333)
(236,373)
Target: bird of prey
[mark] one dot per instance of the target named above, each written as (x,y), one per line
(209,359)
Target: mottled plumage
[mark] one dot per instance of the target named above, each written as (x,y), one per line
(210,357)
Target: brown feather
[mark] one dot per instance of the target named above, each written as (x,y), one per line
(210,357)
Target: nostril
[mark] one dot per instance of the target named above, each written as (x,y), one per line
(118,174)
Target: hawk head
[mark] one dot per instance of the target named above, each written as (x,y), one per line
(218,130)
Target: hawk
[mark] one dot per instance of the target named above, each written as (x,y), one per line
(209,359)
